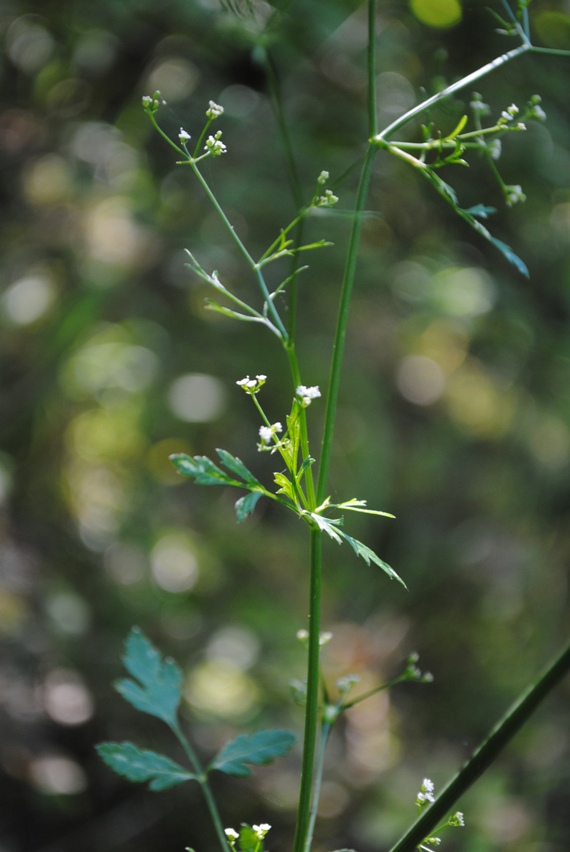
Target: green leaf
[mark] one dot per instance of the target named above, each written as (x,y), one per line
(328,525)
(355,505)
(236,466)
(259,748)
(245,505)
(248,839)
(305,465)
(285,485)
(135,764)
(510,255)
(481,211)
(202,470)
(158,689)
(369,556)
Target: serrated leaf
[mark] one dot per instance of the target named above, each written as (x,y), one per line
(158,689)
(260,748)
(141,765)
(202,470)
(285,485)
(236,466)
(369,556)
(245,505)
(328,525)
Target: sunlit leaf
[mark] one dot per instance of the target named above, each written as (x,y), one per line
(140,765)
(245,505)
(260,748)
(236,466)
(202,470)
(158,689)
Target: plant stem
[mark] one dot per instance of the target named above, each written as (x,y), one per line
(203,781)
(312,705)
(455,87)
(342,321)
(486,753)
(319,768)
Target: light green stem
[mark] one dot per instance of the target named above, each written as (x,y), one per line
(326,728)
(486,753)
(312,704)
(203,781)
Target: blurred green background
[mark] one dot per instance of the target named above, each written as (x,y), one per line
(454,415)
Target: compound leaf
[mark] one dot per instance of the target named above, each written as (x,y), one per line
(236,466)
(245,505)
(140,765)
(259,749)
(202,470)
(159,681)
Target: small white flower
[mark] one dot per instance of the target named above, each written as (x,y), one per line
(146,101)
(495,148)
(252,386)
(183,136)
(307,395)
(328,199)
(510,112)
(214,110)
(261,830)
(231,833)
(426,793)
(514,195)
(267,434)
(214,145)
(457,819)
(538,113)
(323,177)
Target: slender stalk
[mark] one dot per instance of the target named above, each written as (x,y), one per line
(203,781)
(319,769)
(312,705)
(342,321)
(486,753)
(455,87)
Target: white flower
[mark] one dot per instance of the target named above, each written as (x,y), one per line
(426,793)
(231,833)
(514,195)
(261,830)
(214,110)
(457,819)
(495,148)
(328,199)
(323,177)
(252,386)
(307,395)
(214,145)
(183,136)
(510,112)
(267,434)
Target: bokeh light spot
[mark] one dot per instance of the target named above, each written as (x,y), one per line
(197,398)
(28,299)
(437,13)
(174,564)
(420,380)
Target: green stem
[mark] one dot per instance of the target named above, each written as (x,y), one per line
(250,261)
(312,705)
(319,769)
(203,781)
(342,321)
(486,753)
(455,87)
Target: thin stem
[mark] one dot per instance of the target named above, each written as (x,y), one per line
(312,705)
(455,87)
(326,728)
(486,753)
(342,321)
(203,781)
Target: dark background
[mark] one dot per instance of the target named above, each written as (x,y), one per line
(454,415)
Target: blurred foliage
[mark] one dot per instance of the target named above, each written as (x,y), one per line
(455,415)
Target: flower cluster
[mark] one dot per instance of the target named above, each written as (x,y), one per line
(307,395)
(259,832)
(513,195)
(214,111)
(252,386)
(268,437)
(214,145)
(426,794)
(329,199)
(183,136)
(152,102)
(412,672)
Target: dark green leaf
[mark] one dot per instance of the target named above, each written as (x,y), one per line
(369,556)
(202,470)
(306,464)
(259,748)
(510,255)
(237,466)
(135,764)
(245,505)
(159,681)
